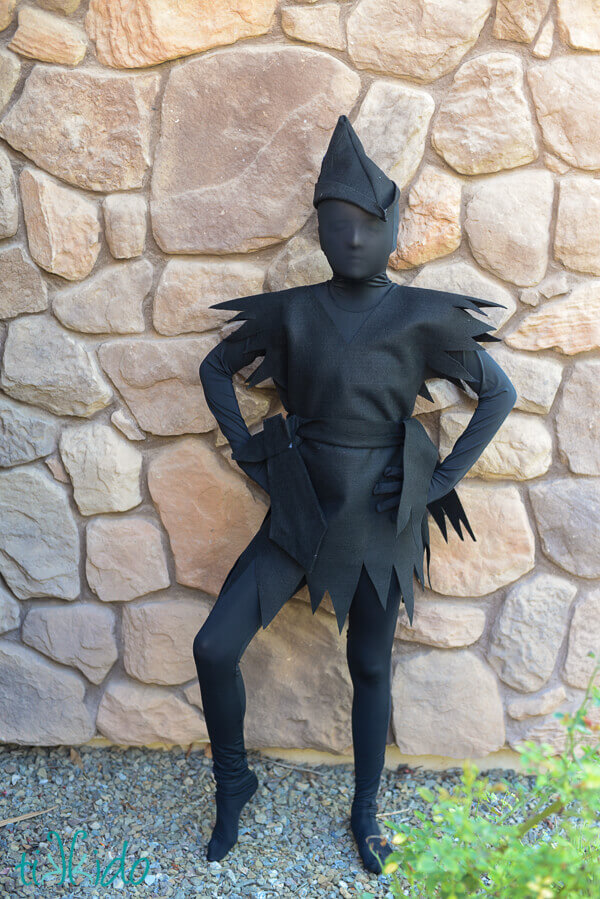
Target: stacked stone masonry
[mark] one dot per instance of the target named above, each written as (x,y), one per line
(151,166)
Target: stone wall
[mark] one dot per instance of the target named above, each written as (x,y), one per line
(151,165)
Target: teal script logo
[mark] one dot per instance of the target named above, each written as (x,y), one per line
(66,865)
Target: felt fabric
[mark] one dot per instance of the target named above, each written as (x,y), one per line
(324,380)
(347,173)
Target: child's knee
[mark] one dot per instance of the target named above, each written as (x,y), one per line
(212,652)
(368,668)
(203,647)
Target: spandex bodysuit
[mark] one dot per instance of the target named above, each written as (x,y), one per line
(348,357)
(235,617)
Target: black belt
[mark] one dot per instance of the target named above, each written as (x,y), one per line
(298,524)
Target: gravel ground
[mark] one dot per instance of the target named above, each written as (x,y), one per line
(157,807)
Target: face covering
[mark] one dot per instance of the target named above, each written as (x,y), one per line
(359,215)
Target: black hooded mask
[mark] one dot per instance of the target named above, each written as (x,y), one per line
(347,173)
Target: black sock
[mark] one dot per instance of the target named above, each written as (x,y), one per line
(364,825)
(229,807)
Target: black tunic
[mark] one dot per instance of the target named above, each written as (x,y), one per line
(349,391)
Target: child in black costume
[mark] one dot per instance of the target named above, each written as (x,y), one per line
(348,358)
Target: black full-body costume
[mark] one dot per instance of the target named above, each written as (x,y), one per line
(348,358)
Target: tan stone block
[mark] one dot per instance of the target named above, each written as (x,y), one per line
(218,195)
(63,228)
(529,631)
(158,637)
(445,623)
(554,732)
(27,433)
(159,381)
(125,558)
(535,379)
(518,21)
(148,32)
(503,551)
(567,512)
(320,25)
(45,365)
(42,35)
(67,7)
(554,164)
(444,394)
(126,423)
(57,469)
(132,714)
(22,288)
(125,224)
(7,8)
(539,704)
(392,124)
(208,511)
(576,240)
(566,95)
(508,223)
(39,540)
(446,703)
(105,145)
(571,325)
(10,69)
(81,635)
(192,693)
(530,296)
(543,46)
(110,302)
(41,703)
(104,468)
(254,406)
(188,287)
(411,38)
(430,224)
(9,206)
(577,421)
(556,284)
(579,23)
(584,638)
(483,123)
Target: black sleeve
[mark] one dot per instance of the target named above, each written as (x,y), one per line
(216,374)
(496,397)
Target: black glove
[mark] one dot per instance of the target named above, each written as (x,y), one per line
(390,484)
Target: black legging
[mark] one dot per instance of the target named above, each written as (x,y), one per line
(222,640)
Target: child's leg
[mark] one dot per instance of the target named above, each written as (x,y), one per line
(370,639)
(218,647)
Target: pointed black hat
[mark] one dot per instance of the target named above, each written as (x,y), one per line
(347,173)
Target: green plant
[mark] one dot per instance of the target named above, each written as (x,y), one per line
(483,839)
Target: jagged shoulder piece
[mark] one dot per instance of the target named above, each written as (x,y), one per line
(445,324)
(262,332)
